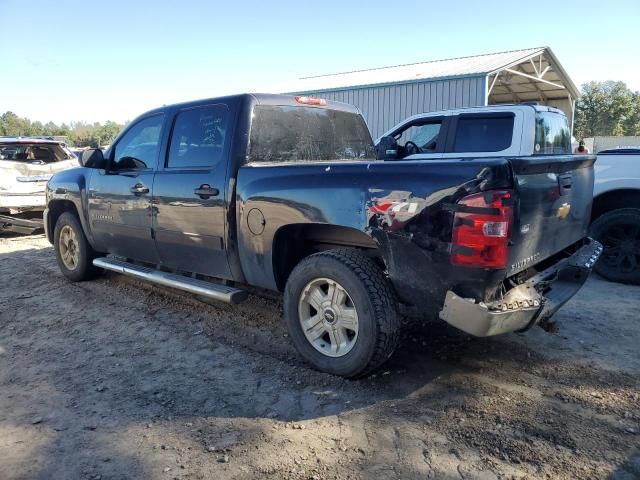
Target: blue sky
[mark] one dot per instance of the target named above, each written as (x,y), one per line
(93,61)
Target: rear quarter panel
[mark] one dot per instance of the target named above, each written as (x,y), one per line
(398,204)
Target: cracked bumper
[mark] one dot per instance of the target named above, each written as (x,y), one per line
(531,302)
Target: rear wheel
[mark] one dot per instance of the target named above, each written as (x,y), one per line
(341,312)
(73,252)
(619,232)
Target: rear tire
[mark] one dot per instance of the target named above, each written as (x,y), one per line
(73,252)
(355,327)
(619,232)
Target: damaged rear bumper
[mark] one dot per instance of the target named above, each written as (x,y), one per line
(531,302)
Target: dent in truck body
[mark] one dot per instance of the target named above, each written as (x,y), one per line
(416,246)
(413,239)
(411,227)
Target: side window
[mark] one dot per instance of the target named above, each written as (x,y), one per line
(477,133)
(552,134)
(198,137)
(423,136)
(138,148)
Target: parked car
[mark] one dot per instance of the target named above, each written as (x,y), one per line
(25,166)
(616,214)
(285,193)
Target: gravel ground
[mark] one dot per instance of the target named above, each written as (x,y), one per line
(114,379)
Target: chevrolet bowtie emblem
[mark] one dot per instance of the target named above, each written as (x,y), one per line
(564,210)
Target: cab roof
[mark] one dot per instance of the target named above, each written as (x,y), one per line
(497,106)
(254,99)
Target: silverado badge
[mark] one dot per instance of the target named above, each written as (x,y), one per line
(526,261)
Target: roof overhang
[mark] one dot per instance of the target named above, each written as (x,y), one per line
(537,76)
(532,74)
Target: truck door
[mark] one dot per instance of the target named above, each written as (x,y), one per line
(120,196)
(189,192)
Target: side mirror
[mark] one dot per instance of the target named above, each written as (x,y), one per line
(387,148)
(92,158)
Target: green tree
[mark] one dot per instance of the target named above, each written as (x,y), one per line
(631,124)
(13,125)
(37,128)
(76,133)
(607,108)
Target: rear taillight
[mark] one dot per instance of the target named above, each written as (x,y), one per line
(481,230)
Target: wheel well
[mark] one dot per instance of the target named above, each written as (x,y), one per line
(292,243)
(613,200)
(57,208)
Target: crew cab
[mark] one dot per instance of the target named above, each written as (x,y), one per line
(286,194)
(26,164)
(616,214)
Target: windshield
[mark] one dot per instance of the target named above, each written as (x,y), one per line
(287,134)
(552,134)
(34,152)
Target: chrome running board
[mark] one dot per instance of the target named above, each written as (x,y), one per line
(180,282)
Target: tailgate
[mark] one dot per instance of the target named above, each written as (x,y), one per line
(553,209)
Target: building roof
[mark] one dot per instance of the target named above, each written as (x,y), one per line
(479,65)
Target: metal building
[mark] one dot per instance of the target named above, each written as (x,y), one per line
(390,94)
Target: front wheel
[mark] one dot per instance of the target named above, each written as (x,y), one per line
(619,233)
(73,252)
(341,313)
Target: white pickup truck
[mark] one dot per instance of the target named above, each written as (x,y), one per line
(616,213)
(479,132)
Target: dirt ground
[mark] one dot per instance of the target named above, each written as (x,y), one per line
(113,379)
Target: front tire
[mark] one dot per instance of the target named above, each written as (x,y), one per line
(73,252)
(619,233)
(341,313)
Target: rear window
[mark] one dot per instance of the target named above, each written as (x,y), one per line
(288,134)
(477,133)
(552,134)
(34,153)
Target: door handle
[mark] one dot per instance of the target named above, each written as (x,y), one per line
(205,191)
(139,189)
(565,182)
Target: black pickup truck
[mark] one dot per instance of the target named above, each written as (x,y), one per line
(286,194)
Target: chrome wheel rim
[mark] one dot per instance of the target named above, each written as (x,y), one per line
(68,247)
(328,317)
